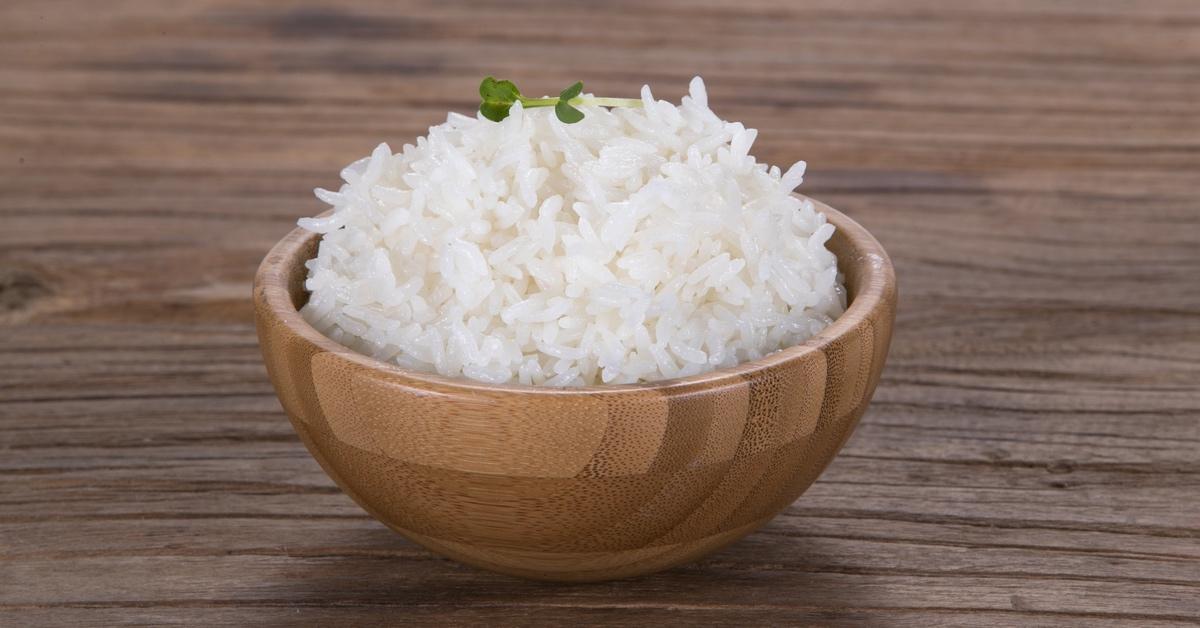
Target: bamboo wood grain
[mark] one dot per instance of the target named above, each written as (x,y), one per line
(1029,456)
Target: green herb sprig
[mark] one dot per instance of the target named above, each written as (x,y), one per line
(498,97)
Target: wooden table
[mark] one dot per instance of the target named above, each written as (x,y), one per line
(1031,456)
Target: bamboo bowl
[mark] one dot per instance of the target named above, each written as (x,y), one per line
(578,484)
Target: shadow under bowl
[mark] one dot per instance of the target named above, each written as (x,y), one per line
(578,484)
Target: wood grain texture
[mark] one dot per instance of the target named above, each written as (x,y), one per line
(1030,456)
(584,484)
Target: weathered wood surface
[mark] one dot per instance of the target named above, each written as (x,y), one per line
(1033,452)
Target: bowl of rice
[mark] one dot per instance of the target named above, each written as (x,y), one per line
(575,352)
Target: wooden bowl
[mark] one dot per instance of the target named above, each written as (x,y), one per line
(586,483)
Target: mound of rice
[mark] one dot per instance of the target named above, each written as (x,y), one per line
(636,245)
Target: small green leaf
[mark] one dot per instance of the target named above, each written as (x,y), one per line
(567,113)
(504,91)
(497,97)
(494,111)
(571,92)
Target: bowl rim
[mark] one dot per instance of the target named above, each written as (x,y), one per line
(875,292)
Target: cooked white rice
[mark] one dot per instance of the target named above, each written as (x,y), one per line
(636,245)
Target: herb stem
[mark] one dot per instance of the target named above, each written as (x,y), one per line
(529,103)
(497,97)
(538,102)
(608,102)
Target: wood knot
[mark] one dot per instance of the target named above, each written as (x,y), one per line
(995,454)
(1060,467)
(19,287)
